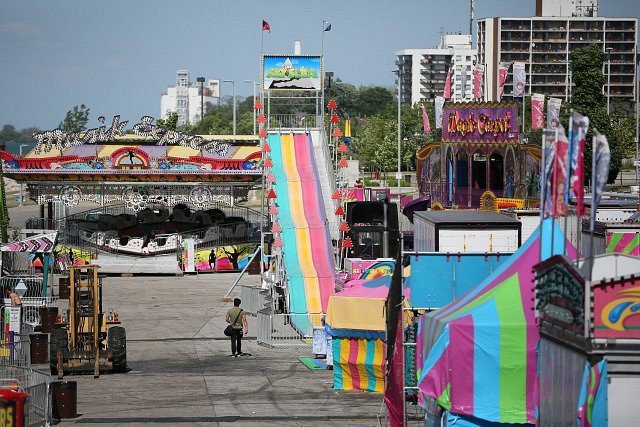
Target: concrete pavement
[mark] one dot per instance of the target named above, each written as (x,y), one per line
(181,373)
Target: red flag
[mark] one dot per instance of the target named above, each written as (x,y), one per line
(339,210)
(478,82)
(447,86)
(425,121)
(537,111)
(334,118)
(347,243)
(257,105)
(265,26)
(577,135)
(332,105)
(560,174)
(272,194)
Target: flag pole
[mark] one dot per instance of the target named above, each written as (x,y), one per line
(543,187)
(592,221)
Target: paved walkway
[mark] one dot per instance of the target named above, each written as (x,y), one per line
(181,372)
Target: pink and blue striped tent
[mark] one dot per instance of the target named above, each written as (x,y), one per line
(476,357)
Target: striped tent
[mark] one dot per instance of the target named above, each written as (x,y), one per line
(477,355)
(358,364)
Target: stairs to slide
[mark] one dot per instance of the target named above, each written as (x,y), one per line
(307,251)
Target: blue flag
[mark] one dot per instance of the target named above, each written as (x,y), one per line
(327,26)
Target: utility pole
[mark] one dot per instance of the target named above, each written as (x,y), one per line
(471,18)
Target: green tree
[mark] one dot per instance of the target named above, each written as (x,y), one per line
(372,100)
(76,119)
(171,122)
(345,96)
(376,143)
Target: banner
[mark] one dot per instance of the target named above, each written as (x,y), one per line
(537,108)
(425,121)
(292,72)
(599,173)
(480,122)
(577,135)
(560,173)
(519,79)
(553,112)
(478,82)
(447,85)
(463,84)
(546,178)
(439,104)
(503,72)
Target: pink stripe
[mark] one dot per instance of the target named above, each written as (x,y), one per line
(624,241)
(462,376)
(353,367)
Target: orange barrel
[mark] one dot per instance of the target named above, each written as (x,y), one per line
(48,318)
(64,288)
(39,348)
(64,399)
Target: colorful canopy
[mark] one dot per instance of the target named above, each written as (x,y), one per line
(477,355)
(358,364)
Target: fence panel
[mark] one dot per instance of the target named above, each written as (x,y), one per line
(36,383)
(287,330)
(15,350)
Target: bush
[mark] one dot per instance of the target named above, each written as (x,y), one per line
(393,182)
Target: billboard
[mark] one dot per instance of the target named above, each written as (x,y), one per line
(478,122)
(292,72)
(616,310)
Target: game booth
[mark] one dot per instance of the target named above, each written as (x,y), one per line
(481,150)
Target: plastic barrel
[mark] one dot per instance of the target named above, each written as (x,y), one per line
(64,399)
(48,318)
(39,348)
(64,290)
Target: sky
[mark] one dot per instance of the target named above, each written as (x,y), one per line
(118,56)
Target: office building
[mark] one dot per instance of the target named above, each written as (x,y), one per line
(184,98)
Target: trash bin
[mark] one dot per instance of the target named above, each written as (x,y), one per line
(64,288)
(64,399)
(39,346)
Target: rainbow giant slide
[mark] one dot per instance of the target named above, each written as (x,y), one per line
(307,251)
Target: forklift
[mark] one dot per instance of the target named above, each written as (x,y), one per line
(85,335)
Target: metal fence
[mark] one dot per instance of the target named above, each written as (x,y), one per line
(254,298)
(15,350)
(304,121)
(287,330)
(36,384)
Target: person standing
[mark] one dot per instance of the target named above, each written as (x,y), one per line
(237,319)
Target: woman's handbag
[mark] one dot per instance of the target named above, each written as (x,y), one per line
(229,329)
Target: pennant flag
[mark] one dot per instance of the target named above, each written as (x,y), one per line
(263,132)
(340,211)
(327,25)
(273,209)
(577,135)
(519,79)
(276,227)
(337,132)
(334,118)
(344,227)
(599,173)
(537,108)
(546,184)
(272,194)
(503,72)
(439,104)
(447,85)
(560,173)
(266,148)
(257,105)
(336,195)
(271,178)
(347,243)
(426,126)
(553,112)
(343,162)
(342,148)
(268,163)
(463,84)
(266,26)
(332,104)
(277,242)
(347,131)
(261,118)
(478,82)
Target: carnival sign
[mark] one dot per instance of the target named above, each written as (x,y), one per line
(59,140)
(291,72)
(616,310)
(480,122)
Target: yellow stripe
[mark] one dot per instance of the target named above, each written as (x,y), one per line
(377,366)
(362,371)
(347,381)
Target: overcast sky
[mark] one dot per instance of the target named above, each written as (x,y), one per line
(117,56)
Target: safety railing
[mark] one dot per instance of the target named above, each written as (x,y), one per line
(286,330)
(32,282)
(304,121)
(15,350)
(36,384)
(254,298)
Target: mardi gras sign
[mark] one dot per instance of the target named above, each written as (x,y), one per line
(616,311)
(479,122)
(59,140)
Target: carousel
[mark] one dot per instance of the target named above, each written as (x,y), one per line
(481,153)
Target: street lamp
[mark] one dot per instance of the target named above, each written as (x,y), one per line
(233,83)
(21,183)
(398,73)
(201,81)
(608,50)
(254,101)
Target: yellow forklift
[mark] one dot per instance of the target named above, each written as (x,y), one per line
(85,336)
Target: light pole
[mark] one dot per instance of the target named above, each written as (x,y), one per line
(201,81)
(233,83)
(608,50)
(21,183)
(253,83)
(399,173)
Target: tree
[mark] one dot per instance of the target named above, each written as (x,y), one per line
(345,96)
(372,100)
(75,120)
(376,143)
(171,122)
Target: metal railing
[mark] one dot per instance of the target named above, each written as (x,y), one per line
(286,330)
(36,384)
(304,121)
(15,350)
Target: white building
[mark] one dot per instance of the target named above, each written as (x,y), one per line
(184,98)
(424,70)
(545,42)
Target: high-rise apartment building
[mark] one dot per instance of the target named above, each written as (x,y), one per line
(423,71)
(545,43)
(184,98)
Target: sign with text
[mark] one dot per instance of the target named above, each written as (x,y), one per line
(292,72)
(616,310)
(479,122)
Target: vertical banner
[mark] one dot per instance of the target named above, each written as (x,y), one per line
(425,121)
(463,84)
(600,173)
(553,113)
(478,82)
(447,85)
(537,111)
(439,104)
(519,79)
(577,136)
(188,260)
(560,173)
(503,72)
(546,185)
